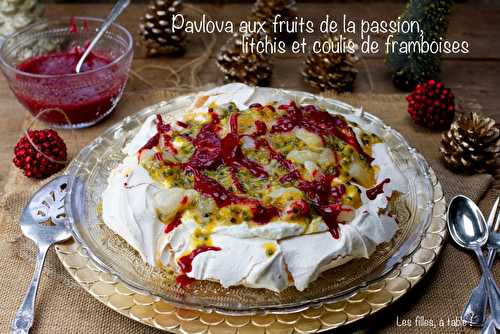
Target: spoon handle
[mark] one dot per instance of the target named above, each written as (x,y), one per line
(26,312)
(475,309)
(491,287)
(118,8)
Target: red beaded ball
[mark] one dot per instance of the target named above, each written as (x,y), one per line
(47,158)
(432,105)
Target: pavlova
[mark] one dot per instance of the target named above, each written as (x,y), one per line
(246,188)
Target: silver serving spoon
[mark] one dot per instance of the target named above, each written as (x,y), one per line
(468,229)
(118,8)
(475,309)
(43,221)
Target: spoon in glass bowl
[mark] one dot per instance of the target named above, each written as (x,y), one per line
(468,229)
(118,8)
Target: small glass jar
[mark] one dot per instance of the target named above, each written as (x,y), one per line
(74,100)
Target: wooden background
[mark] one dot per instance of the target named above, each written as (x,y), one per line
(475,75)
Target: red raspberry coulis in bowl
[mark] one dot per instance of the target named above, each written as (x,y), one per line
(83,97)
(39,63)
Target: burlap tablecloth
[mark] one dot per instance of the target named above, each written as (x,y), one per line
(63,307)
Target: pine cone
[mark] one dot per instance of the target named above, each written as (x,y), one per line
(266,10)
(250,68)
(472,144)
(156,29)
(330,70)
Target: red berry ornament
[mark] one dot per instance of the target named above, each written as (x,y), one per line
(32,161)
(432,105)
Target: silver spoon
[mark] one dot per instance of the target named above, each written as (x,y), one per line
(475,309)
(43,221)
(118,8)
(468,229)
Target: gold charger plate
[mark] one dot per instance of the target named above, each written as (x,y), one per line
(155,312)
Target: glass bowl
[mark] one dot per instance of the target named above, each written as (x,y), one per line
(88,178)
(67,100)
